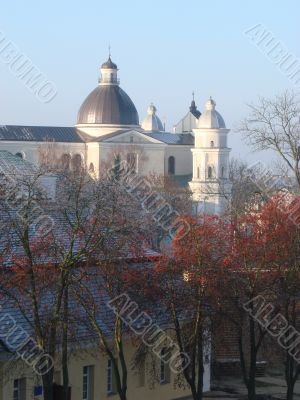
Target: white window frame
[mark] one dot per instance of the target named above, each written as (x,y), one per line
(86,380)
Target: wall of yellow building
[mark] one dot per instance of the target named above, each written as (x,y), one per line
(92,357)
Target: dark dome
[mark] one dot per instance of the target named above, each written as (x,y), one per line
(109,64)
(108,104)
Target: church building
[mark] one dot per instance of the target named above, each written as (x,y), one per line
(108,127)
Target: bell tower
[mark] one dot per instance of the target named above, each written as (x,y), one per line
(109,73)
(210,185)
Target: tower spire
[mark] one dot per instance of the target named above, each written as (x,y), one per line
(210,185)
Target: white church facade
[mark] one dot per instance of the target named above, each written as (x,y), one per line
(108,126)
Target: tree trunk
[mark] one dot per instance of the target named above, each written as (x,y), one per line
(47,380)
(290,391)
(252,368)
(65,347)
(292,371)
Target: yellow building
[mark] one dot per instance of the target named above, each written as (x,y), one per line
(91,378)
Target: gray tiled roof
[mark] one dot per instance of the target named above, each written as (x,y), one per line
(10,163)
(40,133)
(172,138)
(183,180)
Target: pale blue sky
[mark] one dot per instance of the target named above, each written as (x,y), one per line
(164,50)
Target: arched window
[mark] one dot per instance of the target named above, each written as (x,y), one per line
(91,168)
(76,162)
(65,161)
(117,166)
(198,172)
(171,165)
(19,155)
(209,172)
(132,161)
(222,172)
(212,144)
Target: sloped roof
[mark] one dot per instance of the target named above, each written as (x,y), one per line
(11,163)
(173,138)
(40,133)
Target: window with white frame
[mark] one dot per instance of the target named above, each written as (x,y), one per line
(87,382)
(19,389)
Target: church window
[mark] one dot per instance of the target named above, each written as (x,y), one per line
(19,155)
(132,161)
(212,144)
(117,165)
(209,172)
(76,162)
(171,165)
(198,172)
(65,161)
(131,139)
(91,168)
(222,172)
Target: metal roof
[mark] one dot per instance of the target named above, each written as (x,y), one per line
(109,64)
(194,110)
(172,138)
(108,105)
(10,163)
(40,133)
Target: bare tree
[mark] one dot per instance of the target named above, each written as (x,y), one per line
(273,124)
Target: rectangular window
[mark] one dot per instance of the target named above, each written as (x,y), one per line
(19,389)
(164,367)
(87,382)
(109,376)
(16,390)
(162,372)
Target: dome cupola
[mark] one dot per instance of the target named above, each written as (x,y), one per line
(211,119)
(152,122)
(108,106)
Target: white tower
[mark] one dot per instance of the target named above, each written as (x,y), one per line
(109,73)
(210,184)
